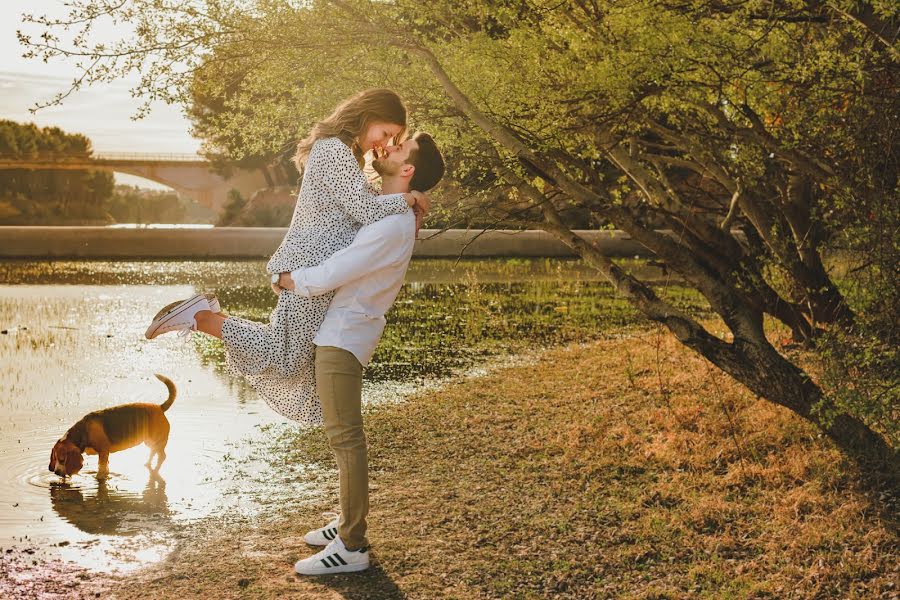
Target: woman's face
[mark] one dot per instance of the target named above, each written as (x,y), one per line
(379,135)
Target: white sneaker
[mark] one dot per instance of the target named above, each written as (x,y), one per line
(335,558)
(178,316)
(323,535)
(213,305)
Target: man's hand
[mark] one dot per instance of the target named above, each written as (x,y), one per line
(285,282)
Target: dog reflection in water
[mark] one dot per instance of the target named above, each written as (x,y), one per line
(112,429)
(111,511)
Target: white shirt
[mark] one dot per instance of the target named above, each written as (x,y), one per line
(367,275)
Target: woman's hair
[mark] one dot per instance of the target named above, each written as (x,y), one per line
(352,118)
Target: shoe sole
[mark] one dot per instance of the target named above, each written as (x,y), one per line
(334,570)
(156,325)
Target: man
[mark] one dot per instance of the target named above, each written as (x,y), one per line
(367,276)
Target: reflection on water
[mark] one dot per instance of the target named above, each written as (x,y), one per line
(110,507)
(72,342)
(71,349)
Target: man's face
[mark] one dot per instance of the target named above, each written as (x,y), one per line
(393,162)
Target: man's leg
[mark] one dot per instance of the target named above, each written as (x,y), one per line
(339,383)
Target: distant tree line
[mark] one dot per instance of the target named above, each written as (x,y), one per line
(64,197)
(31,197)
(131,204)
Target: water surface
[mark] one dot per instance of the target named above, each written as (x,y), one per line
(72,342)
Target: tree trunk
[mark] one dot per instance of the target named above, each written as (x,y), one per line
(753,363)
(769,374)
(750,359)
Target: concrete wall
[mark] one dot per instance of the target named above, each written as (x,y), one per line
(260,242)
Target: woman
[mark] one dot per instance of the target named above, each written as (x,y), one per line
(335,199)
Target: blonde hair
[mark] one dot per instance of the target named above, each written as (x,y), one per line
(352,118)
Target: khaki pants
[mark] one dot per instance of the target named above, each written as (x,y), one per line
(339,383)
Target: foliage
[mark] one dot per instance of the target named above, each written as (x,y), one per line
(232,208)
(270,207)
(32,197)
(132,204)
(859,366)
(760,133)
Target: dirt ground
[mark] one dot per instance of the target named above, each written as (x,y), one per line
(622,468)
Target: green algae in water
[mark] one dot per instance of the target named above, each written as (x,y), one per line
(450,315)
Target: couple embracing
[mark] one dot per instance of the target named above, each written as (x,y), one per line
(337,272)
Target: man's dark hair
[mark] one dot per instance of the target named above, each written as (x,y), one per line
(428,161)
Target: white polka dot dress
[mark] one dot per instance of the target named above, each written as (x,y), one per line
(276,358)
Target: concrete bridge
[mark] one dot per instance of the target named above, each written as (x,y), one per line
(188,174)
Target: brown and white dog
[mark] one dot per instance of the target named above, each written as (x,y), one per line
(113,429)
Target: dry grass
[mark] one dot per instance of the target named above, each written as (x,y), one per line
(613,469)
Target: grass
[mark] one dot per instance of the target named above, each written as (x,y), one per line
(621,468)
(448,317)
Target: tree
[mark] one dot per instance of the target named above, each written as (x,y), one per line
(49,196)
(755,131)
(131,204)
(233,208)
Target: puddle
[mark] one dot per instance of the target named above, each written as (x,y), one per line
(83,349)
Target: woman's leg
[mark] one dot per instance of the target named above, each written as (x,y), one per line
(210,323)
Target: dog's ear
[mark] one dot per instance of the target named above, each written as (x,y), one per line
(53,456)
(74,460)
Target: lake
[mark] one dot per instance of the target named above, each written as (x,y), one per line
(72,342)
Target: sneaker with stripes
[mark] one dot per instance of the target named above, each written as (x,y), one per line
(335,558)
(324,535)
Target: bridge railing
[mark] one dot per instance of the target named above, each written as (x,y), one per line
(148,156)
(62,157)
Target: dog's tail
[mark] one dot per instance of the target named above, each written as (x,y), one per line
(165,405)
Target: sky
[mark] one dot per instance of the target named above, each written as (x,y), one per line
(102,113)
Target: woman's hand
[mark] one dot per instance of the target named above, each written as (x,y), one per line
(276,288)
(420,217)
(418,199)
(423,201)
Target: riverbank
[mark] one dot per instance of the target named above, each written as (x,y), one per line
(622,468)
(261,242)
